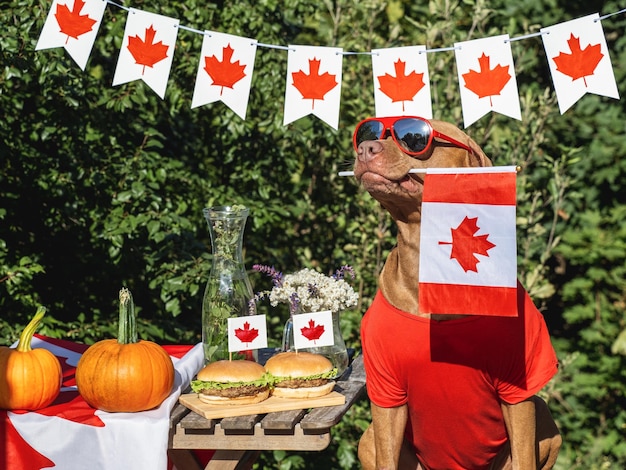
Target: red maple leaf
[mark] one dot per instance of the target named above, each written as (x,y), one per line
(465,244)
(313,331)
(224,72)
(313,86)
(147,52)
(581,62)
(72,22)
(402,87)
(15,451)
(247,334)
(489,81)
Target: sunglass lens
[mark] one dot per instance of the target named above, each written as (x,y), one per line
(412,133)
(369,130)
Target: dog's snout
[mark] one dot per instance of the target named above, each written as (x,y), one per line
(369,149)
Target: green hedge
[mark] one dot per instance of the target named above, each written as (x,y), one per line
(103,187)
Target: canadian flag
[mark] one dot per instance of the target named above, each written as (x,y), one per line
(247,332)
(313,329)
(468,252)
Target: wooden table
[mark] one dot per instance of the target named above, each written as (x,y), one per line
(239,441)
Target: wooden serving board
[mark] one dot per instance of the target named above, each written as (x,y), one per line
(272,404)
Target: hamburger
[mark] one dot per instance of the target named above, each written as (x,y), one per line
(300,375)
(237,382)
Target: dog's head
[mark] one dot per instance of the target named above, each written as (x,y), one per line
(382,166)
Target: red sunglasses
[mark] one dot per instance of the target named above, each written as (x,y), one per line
(413,135)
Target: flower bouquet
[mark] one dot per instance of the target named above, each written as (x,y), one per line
(307,291)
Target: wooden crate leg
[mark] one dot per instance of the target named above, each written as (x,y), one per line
(184,459)
(232,460)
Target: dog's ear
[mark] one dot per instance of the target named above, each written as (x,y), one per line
(483,160)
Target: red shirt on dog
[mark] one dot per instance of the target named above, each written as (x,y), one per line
(456,372)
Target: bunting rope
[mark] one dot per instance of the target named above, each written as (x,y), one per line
(486,71)
(439,49)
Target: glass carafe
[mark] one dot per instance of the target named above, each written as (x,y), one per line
(228,290)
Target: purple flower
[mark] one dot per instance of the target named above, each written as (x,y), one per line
(277,276)
(341,272)
(294,303)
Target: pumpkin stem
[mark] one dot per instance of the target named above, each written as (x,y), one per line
(127,328)
(26,337)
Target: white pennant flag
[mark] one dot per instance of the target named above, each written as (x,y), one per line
(73,25)
(313,83)
(247,332)
(401,82)
(147,50)
(312,330)
(579,60)
(487,78)
(225,71)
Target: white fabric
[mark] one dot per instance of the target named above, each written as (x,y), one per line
(127,440)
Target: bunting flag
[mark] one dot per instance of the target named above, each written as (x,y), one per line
(579,60)
(312,330)
(147,50)
(313,83)
(468,252)
(72,25)
(225,71)
(576,52)
(487,78)
(247,333)
(401,82)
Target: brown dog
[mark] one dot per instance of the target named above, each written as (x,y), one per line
(432,406)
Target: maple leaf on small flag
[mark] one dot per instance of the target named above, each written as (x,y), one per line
(489,81)
(246,334)
(147,52)
(313,331)
(72,22)
(402,87)
(581,62)
(224,73)
(313,86)
(465,244)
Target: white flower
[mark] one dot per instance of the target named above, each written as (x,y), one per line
(310,291)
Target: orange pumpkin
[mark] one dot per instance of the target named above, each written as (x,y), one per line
(125,375)
(30,379)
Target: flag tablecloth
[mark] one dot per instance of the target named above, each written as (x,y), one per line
(69,434)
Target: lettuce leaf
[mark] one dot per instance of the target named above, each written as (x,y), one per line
(198,385)
(331,374)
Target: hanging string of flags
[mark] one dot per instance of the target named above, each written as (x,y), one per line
(576,51)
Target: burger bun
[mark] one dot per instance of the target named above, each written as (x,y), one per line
(293,372)
(244,400)
(303,392)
